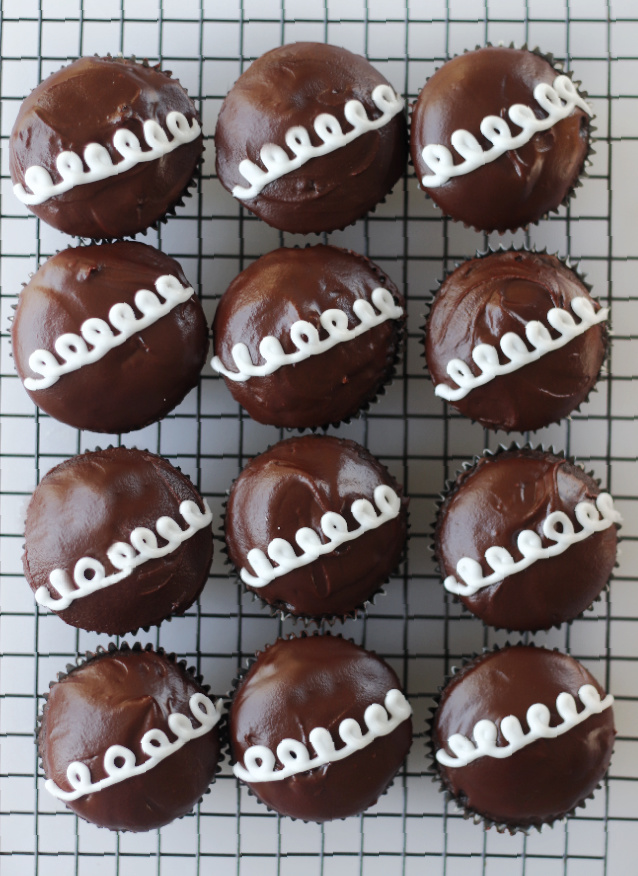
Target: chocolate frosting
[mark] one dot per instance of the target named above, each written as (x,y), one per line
(298,684)
(88,503)
(546,779)
(133,384)
(114,699)
(87,102)
(490,504)
(288,285)
(292,485)
(290,86)
(482,300)
(520,186)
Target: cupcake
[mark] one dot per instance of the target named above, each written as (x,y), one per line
(115,540)
(310,138)
(318,728)
(522,737)
(315,526)
(129,738)
(525,539)
(307,337)
(499,137)
(105,147)
(514,340)
(109,338)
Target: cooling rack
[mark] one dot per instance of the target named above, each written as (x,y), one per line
(207,43)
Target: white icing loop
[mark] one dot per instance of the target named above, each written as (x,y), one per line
(558,100)
(306,337)
(514,348)
(125,557)
(557,527)
(294,757)
(333,526)
(464,751)
(71,169)
(278,163)
(74,350)
(154,743)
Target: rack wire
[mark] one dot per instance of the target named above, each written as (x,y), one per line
(207,43)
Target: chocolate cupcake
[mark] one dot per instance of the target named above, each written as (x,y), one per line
(514,340)
(319,494)
(499,137)
(526,540)
(117,539)
(310,138)
(129,739)
(318,728)
(109,338)
(522,737)
(307,337)
(105,147)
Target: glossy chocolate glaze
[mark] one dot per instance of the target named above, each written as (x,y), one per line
(114,699)
(549,777)
(288,285)
(88,503)
(520,186)
(301,683)
(133,384)
(87,102)
(482,300)
(291,86)
(292,485)
(490,505)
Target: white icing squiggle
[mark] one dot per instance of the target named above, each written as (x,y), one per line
(155,744)
(73,349)
(306,337)
(538,718)
(557,527)
(334,527)
(98,160)
(123,556)
(328,129)
(295,758)
(485,356)
(495,129)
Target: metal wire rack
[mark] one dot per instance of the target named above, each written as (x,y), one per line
(207,43)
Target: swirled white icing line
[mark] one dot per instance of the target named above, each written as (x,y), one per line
(73,349)
(333,526)
(259,761)
(538,718)
(278,163)
(96,157)
(123,556)
(485,356)
(154,743)
(557,527)
(306,339)
(439,159)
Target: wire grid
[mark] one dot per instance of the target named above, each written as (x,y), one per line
(207,44)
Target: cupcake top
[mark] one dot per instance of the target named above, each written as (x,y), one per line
(310,138)
(306,337)
(105,147)
(109,338)
(526,539)
(129,739)
(319,727)
(117,539)
(315,525)
(514,340)
(522,736)
(499,138)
